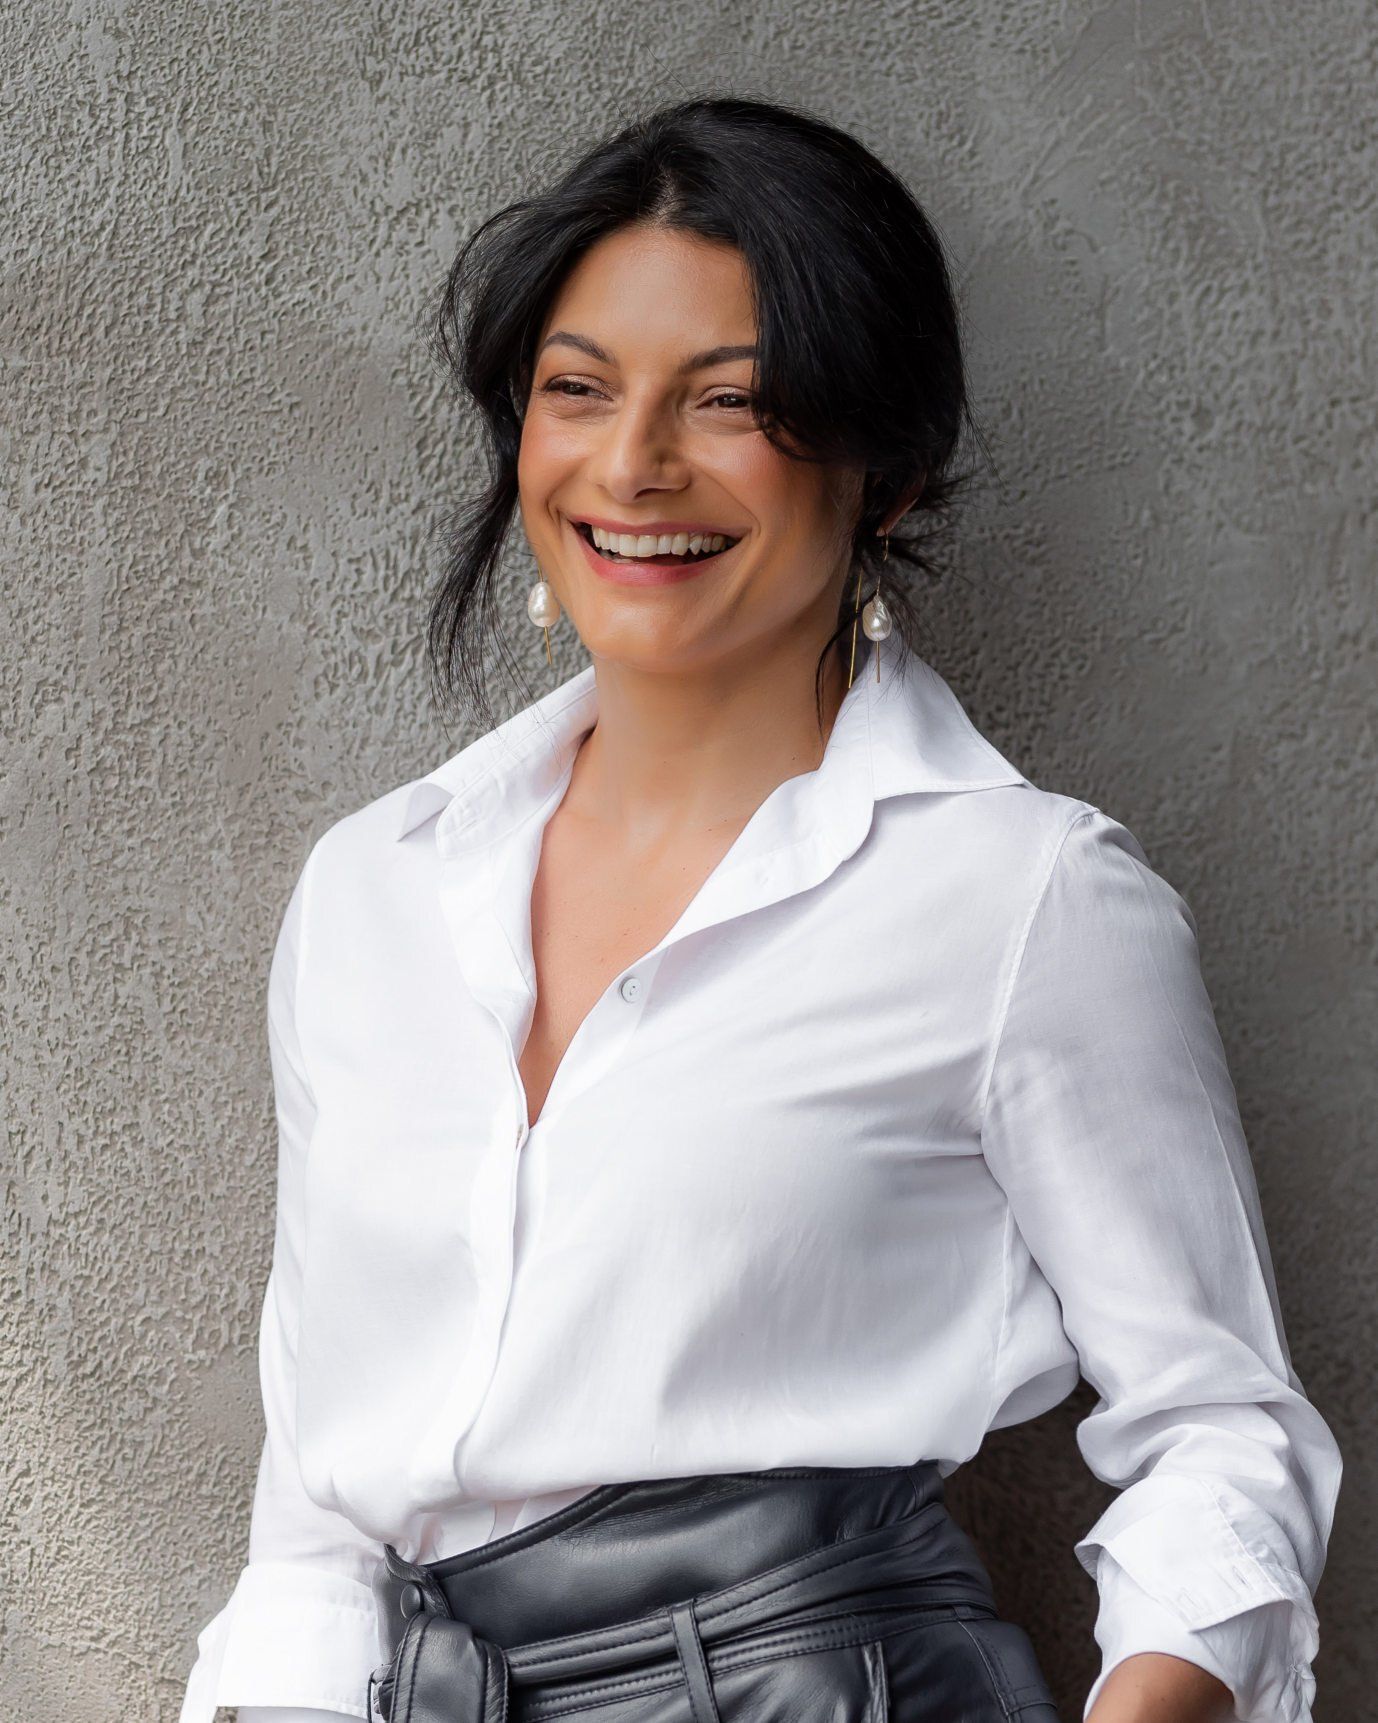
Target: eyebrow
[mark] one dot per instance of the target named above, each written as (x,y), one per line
(695,361)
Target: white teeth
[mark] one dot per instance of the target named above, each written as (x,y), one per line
(666,544)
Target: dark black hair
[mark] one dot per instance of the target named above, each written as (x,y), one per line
(860,356)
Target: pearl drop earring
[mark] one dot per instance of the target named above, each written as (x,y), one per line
(875,618)
(543,608)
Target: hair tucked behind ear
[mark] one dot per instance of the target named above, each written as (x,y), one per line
(860,357)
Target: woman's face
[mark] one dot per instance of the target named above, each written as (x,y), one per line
(640,422)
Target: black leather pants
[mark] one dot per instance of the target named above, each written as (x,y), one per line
(831,1595)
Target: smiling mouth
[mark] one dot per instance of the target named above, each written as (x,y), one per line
(670,559)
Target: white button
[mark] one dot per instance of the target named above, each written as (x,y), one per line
(631,987)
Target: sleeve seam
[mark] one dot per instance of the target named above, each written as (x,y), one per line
(1085,810)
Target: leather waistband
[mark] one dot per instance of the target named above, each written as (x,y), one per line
(679,1569)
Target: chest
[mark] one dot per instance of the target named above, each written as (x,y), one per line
(822,1019)
(764,1127)
(595,910)
(785,1084)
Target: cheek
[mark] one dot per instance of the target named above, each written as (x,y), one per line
(792,502)
(532,460)
(537,481)
(774,491)
(544,457)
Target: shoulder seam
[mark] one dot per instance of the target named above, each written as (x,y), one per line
(1084,811)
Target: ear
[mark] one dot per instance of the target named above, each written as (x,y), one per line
(901,508)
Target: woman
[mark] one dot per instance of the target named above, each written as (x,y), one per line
(713,1099)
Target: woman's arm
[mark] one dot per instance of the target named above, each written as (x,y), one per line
(1149,1687)
(1111,1122)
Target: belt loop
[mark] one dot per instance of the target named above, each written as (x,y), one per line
(693,1662)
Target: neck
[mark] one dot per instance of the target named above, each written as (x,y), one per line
(690,750)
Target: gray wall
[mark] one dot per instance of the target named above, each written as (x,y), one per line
(224,446)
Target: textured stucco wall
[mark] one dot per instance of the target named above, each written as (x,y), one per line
(223,446)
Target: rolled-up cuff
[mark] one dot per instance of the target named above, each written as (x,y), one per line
(1252,1653)
(1204,1550)
(290,1637)
(1194,1567)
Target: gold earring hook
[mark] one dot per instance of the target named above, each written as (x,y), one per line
(856,617)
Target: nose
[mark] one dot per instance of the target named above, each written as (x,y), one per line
(638,450)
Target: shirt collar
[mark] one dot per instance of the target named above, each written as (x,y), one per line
(907,734)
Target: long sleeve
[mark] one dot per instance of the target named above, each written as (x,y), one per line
(1112,1124)
(299,1630)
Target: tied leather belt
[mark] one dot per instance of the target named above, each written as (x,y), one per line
(629,1578)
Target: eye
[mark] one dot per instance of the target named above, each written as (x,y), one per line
(565,386)
(730,396)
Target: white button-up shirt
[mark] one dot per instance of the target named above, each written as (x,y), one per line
(918,1112)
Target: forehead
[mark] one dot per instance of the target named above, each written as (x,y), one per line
(646,292)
